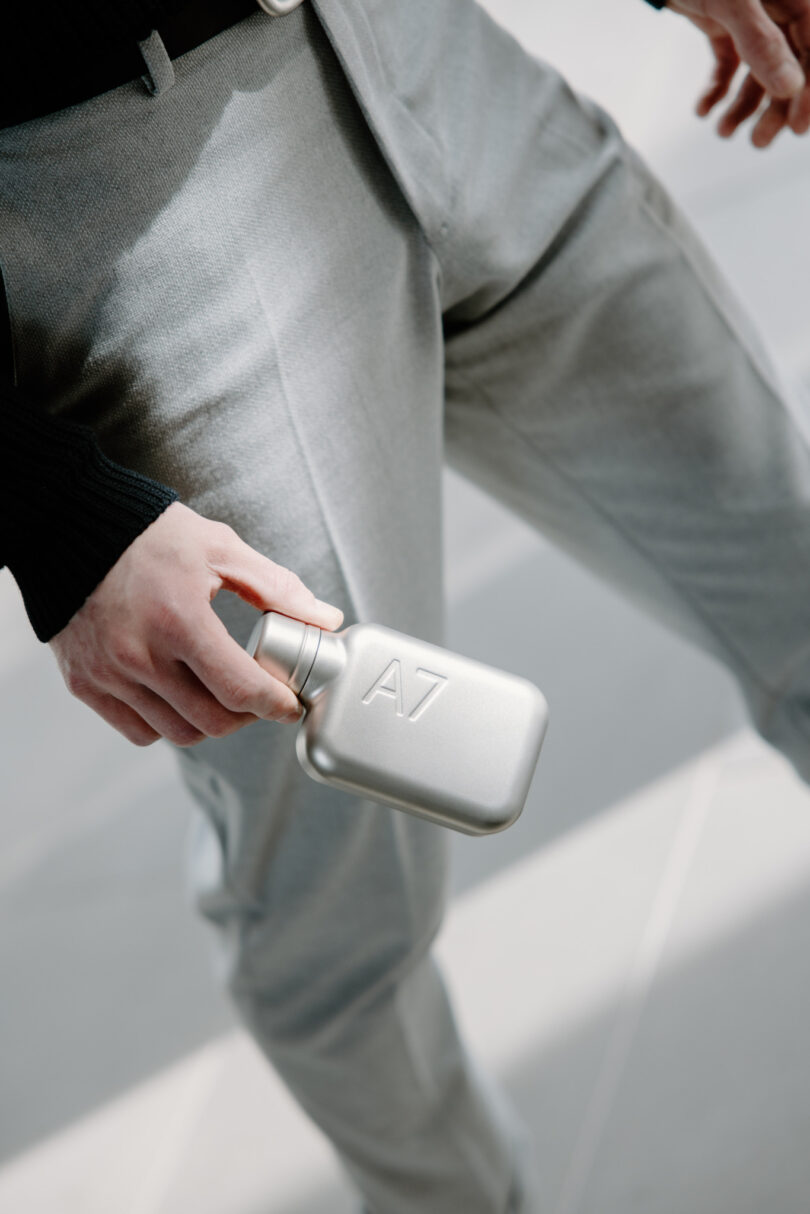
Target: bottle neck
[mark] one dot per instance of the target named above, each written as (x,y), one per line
(329,661)
(301,655)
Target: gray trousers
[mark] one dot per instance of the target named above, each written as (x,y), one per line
(337,248)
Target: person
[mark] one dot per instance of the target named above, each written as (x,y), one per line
(263,273)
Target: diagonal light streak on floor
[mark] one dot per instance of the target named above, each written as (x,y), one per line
(156,1143)
(639,981)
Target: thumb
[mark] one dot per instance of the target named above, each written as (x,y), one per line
(270,587)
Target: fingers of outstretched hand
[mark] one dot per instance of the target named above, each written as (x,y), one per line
(794,16)
(747,101)
(726,62)
(762,44)
(772,120)
(799,112)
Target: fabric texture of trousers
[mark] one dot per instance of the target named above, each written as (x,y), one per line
(342,246)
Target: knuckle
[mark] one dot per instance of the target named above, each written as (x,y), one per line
(133,727)
(125,654)
(237,696)
(78,684)
(223,726)
(212,720)
(768,44)
(169,622)
(287,582)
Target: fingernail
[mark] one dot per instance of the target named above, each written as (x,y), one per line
(788,80)
(292,718)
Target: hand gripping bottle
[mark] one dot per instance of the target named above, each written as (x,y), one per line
(406,723)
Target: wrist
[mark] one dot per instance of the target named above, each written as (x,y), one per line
(68,512)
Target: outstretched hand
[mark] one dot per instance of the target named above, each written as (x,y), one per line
(772,39)
(147,652)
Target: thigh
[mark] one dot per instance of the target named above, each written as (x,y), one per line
(226,283)
(618,399)
(600,377)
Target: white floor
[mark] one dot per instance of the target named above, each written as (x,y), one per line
(632,958)
(640,986)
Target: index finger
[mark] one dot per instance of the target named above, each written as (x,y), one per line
(764,47)
(232,676)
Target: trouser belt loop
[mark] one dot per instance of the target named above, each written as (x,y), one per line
(159,70)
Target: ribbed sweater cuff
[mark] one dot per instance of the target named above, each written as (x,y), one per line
(68,512)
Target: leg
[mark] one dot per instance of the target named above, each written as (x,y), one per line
(647,434)
(259,325)
(600,379)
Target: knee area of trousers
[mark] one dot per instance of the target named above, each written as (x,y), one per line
(392,1052)
(316,999)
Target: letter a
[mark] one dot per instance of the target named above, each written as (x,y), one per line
(388,684)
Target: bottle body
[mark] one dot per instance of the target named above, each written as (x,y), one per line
(409,724)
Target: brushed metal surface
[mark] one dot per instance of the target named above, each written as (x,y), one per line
(409,724)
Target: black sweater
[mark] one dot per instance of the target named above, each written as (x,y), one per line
(66,511)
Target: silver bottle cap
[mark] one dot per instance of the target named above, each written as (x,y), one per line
(285,648)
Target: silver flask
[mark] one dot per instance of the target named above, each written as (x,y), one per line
(406,723)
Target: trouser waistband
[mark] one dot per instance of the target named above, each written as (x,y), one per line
(52,77)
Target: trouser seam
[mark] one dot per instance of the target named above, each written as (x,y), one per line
(343,564)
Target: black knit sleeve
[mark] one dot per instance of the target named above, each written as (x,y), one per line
(66,511)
